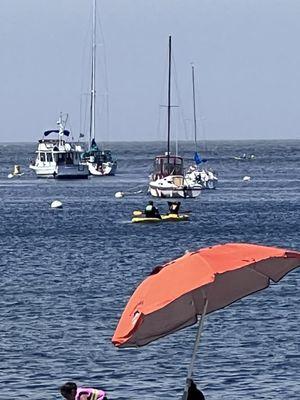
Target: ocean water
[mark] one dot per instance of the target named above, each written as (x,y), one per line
(67,275)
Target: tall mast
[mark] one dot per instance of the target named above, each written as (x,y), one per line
(194,105)
(93,88)
(169,97)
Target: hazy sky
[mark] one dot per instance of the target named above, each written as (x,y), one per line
(246,55)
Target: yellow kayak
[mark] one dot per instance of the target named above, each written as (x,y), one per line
(164,218)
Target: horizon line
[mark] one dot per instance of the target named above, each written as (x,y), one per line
(162,141)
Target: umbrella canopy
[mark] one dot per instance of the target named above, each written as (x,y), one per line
(200,282)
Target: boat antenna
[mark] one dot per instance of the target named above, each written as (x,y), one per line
(169,97)
(93,88)
(194,106)
(61,123)
(61,129)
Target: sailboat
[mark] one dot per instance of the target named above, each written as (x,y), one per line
(196,175)
(167,179)
(99,161)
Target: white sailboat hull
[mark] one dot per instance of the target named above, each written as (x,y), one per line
(167,188)
(105,169)
(206,178)
(178,193)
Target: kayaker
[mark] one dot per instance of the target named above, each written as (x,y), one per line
(70,391)
(174,207)
(151,211)
(194,393)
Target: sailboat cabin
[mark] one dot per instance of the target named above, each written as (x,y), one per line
(167,165)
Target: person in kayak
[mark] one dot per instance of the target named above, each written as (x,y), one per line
(151,211)
(174,207)
(70,391)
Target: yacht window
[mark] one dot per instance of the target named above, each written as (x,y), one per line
(61,158)
(178,170)
(69,159)
(42,157)
(49,157)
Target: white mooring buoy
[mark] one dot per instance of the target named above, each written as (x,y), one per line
(247,178)
(56,204)
(119,195)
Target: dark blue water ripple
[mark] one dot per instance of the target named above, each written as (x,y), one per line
(66,277)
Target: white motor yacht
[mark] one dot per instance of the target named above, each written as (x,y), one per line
(57,158)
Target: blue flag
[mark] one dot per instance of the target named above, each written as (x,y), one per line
(197,158)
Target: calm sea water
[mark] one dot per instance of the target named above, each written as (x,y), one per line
(67,275)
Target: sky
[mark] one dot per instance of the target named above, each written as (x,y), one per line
(246,55)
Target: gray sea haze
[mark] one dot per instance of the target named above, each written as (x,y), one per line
(67,275)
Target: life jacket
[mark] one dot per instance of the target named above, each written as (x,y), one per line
(93,394)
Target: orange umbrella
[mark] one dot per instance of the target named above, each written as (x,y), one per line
(201,282)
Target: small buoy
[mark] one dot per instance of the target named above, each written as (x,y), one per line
(247,178)
(119,195)
(56,204)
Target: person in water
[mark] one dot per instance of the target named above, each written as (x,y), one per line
(194,393)
(70,391)
(151,211)
(174,207)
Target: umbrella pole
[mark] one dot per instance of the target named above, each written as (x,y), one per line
(191,367)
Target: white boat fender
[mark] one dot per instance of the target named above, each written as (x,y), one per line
(56,204)
(247,178)
(119,195)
